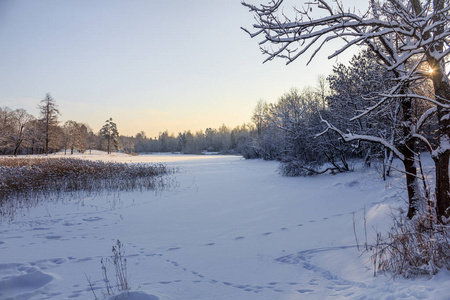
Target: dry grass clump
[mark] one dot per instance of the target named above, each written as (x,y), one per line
(24,181)
(420,246)
(119,261)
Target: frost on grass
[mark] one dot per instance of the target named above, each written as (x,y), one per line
(420,246)
(25,182)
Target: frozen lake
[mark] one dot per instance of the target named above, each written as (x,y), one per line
(227,228)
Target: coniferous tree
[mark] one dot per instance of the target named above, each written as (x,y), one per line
(49,118)
(111,134)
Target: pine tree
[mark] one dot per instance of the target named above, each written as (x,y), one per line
(49,118)
(110,133)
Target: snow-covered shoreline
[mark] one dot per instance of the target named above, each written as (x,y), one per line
(230,229)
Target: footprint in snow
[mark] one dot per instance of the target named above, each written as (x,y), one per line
(239,238)
(75,294)
(58,261)
(267,233)
(40,228)
(242,287)
(352,183)
(84,259)
(210,244)
(71,224)
(53,237)
(92,219)
(174,263)
(153,254)
(174,248)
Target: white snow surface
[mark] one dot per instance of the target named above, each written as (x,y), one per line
(228,229)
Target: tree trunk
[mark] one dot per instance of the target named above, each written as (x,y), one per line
(411,182)
(16,148)
(442,154)
(407,150)
(46,144)
(389,160)
(443,187)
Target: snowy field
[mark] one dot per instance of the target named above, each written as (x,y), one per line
(228,229)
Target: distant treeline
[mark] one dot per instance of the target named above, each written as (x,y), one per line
(222,140)
(22,134)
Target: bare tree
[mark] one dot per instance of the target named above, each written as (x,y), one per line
(21,121)
(35,137)
(6,128)
(405,35)
(75,136)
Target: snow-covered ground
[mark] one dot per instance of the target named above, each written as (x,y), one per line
(228,229)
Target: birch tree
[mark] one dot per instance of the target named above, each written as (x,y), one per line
(408,37)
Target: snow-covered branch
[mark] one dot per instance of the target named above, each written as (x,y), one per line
(350,137)
(437,103)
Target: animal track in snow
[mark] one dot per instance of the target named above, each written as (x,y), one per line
(92,219)
(53,237)
(303,258)
(174,248)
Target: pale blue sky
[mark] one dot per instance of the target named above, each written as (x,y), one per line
(150,65)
